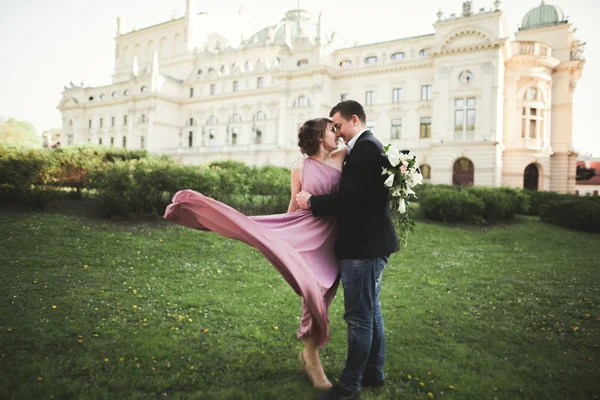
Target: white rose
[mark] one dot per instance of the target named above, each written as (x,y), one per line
(393,156)
(389,181)
(402,206)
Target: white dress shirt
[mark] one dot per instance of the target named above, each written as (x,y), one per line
(352,141)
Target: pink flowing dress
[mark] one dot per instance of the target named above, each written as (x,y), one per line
(298,245)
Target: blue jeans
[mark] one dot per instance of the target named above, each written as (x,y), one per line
(366,338)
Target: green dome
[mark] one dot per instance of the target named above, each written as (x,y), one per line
(542,16)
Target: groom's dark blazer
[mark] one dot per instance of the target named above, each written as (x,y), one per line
(365,228)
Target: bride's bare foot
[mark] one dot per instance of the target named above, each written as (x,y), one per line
(315,373)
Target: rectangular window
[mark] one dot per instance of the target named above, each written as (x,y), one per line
(344,96)
(258,139)
(459,119)
(464,118)
(259,82)
(100,141)
(234,135)
(112,121)
(101,121)
(70,139)
(211,137)
(112,141)
(124,119)
(90,123)
(142,142)
(191,92)
(470,120)
(124,142)
(396,95)
(235,86)
(426,93)
(396,128)
(191,139)
(369,98)
(213,89)
(425,127)
(191,121)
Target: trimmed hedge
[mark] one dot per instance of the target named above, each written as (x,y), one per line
(581,213)
(449,205)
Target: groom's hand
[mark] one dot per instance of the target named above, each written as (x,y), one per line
(302,200)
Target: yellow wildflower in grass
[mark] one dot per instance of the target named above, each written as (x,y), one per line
(45,287)
(9,329)
(54,307)
(430,395)
(134,291)
(206,331)
(106,360)
(191,367)
(422,384)
(134,306)
(51,396)
(85,267)
(275,327)
(137,365)
(80,340)
(409,377)
(34,281)
(451,387)
(39,378)
(169,365)
(121,359)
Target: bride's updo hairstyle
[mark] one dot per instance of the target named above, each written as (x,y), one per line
(310,133)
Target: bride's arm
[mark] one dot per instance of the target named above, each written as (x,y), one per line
(296,184)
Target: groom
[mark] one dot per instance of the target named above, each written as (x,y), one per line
(366,238)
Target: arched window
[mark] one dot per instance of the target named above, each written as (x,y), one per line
(236,118)
(302,63)
(212,120)
(532,116)
(423,53)
(398,56)
(143,118)
(345,64)
(425,171)
(115,94)
(371,60)
(101,96)
(260,116)
(302,101)
(144,89)
(126,92)
(463,172)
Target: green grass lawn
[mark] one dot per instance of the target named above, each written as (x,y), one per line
(100,309)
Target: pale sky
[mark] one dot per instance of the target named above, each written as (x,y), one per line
(46,44)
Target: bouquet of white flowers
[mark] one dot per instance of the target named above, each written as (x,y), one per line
(403,175)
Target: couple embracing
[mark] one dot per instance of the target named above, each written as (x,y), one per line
(338,225)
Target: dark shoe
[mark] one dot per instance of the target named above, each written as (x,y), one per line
(369,381)
(339,393)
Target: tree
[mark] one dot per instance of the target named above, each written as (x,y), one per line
(18,133)
(584,174)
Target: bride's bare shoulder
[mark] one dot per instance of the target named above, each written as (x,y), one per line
(340,152)
(298,164)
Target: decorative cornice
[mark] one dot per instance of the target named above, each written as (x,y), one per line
(541,61)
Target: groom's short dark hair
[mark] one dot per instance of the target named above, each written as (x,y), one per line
(348,108)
